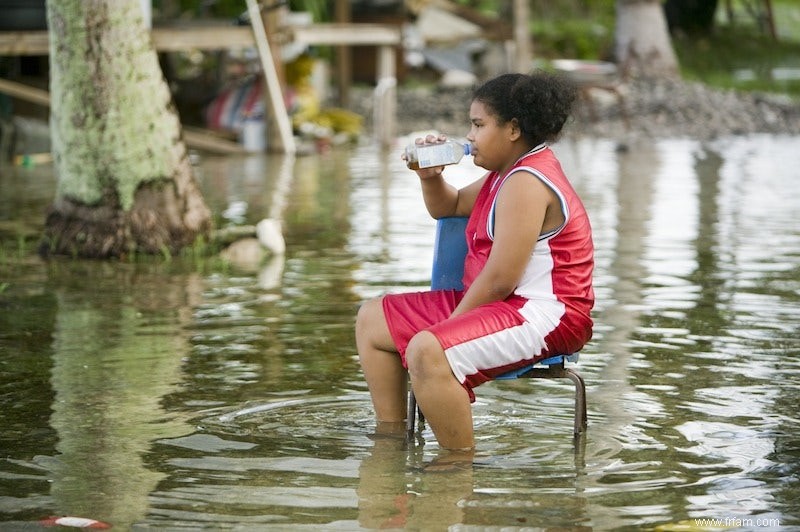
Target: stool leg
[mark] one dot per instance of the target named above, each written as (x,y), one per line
(411,412)
(580,401)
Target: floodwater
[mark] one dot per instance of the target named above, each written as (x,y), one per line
(174,395)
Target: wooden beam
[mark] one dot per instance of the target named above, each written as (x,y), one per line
(356,34)
(206,140)
(173,39)
(16,43)
(196,138)
(25,92)
(279,114)
(168,39)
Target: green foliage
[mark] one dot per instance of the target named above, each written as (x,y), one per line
(575,39)
(166,254)
(14,252)
(741,54)
(573,29)
(17,253)
(737,57)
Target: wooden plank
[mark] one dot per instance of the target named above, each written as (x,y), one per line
(172,39)
(16,43)
(201,139)
(207,140)
(167,39)
(279,113)
(356,34)
(25,92)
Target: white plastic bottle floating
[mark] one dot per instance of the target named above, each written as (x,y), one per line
(439,154)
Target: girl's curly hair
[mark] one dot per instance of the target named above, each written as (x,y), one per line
(541,102)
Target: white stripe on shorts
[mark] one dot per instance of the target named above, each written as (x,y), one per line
(507,346)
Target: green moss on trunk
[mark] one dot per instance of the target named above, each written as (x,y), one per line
(115,133)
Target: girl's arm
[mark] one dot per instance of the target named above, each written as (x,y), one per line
(441,198)
(522,208)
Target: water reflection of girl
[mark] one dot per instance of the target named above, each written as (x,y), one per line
(393,496)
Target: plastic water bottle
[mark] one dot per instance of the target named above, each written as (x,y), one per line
(439,154)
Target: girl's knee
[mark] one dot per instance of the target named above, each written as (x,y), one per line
(368,313)
(425,356)
(372,331)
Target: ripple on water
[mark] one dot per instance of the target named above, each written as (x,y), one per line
(300,418)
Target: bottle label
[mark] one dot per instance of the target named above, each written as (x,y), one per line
(436,155)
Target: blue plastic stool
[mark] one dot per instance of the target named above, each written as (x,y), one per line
(448,268)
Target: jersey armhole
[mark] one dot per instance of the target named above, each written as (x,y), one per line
(549,184)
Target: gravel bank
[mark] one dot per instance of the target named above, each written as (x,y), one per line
(652,109)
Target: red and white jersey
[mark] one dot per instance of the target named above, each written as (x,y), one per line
(558,278)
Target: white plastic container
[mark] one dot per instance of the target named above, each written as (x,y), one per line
(253,137)
(439,154)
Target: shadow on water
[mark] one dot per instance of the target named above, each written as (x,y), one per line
(171,395)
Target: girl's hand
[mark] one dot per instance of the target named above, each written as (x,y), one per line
(433,171)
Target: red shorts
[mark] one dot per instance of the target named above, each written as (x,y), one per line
(480,344)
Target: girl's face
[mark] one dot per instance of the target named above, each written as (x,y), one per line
(493,144)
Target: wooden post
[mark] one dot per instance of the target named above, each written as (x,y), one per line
(344,56)
(385,98)
(522,37)
(274,91)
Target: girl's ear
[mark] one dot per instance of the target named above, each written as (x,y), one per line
(514,132)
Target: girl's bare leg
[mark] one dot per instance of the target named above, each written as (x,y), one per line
(440,396)
(386,377)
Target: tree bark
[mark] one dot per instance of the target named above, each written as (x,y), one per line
(125,183)
(643,46)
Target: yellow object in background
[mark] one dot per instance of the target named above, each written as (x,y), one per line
(308,116)
(32,159)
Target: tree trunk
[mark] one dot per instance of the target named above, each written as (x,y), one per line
(125,183)
(643,45)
